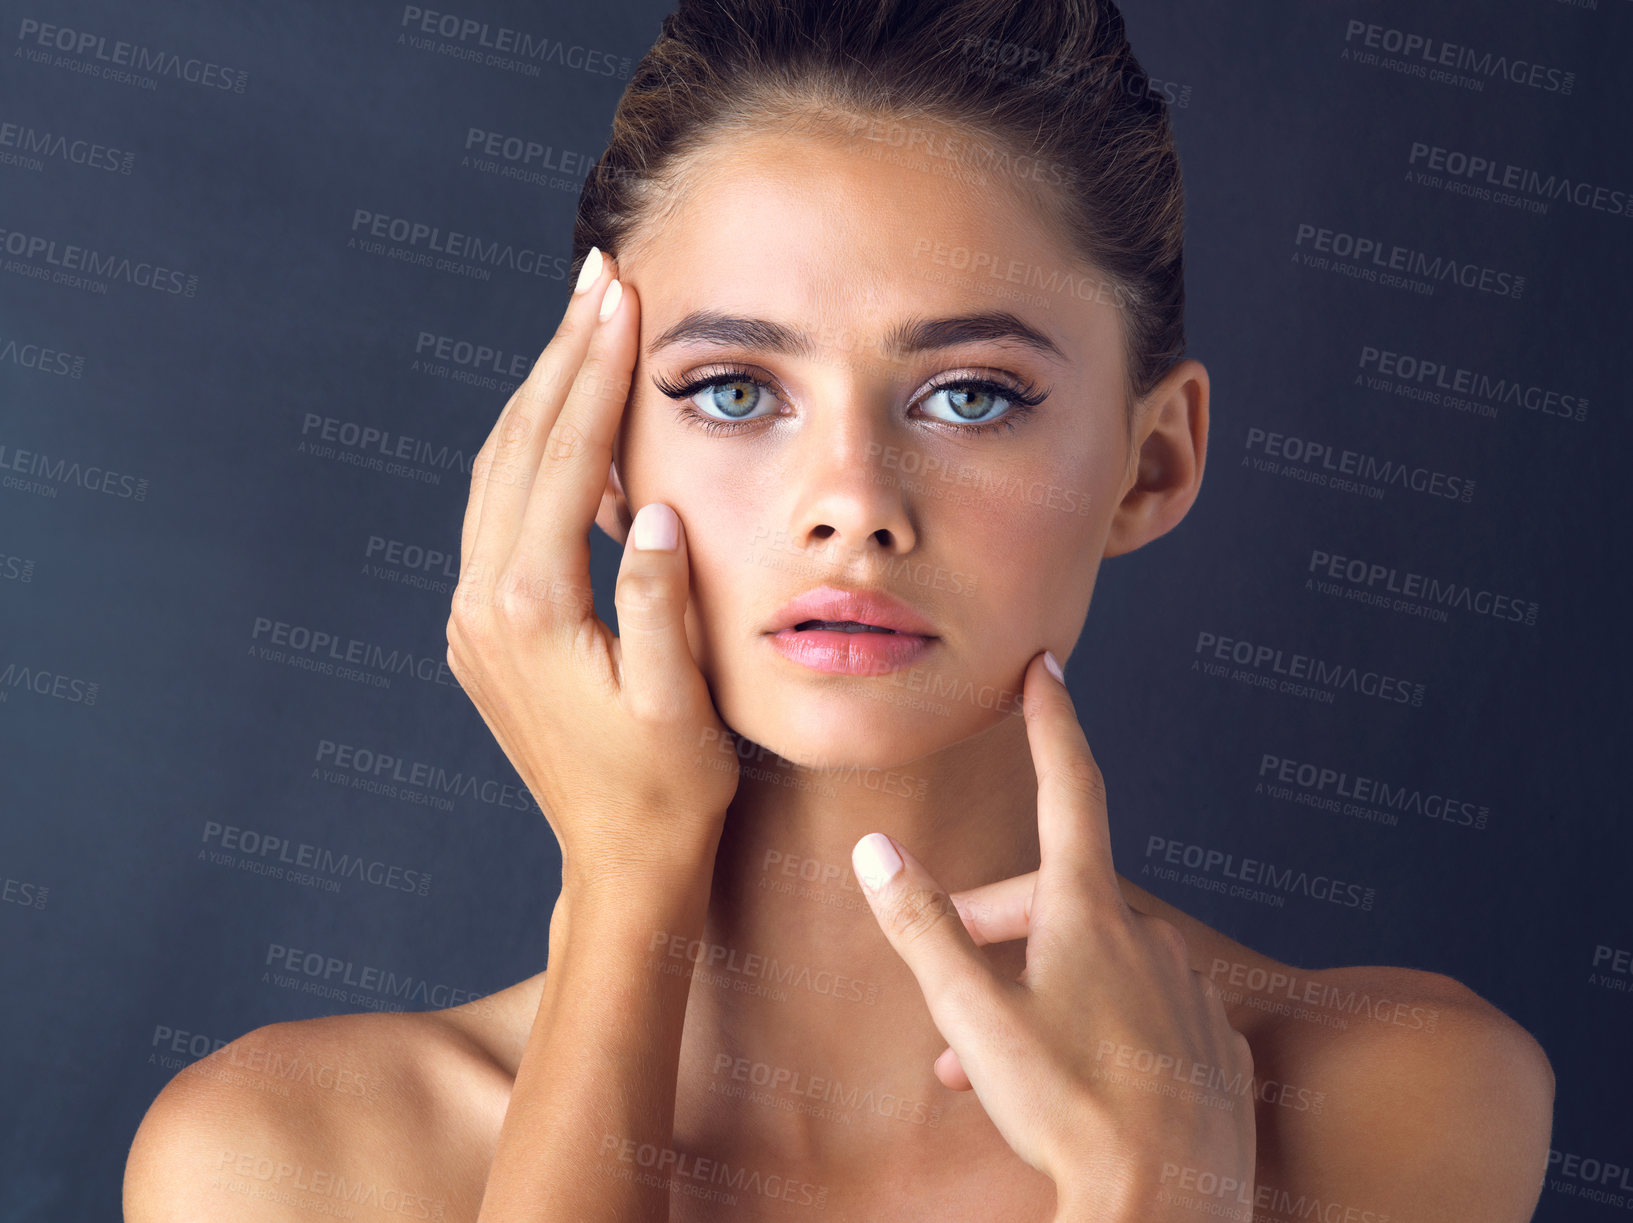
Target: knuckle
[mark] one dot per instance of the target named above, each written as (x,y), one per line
(1170,936)
(517,606)
(565,443)
(1079,775)
(1242,1046)
(464,615)
(643,599)
(916,911)
(652,706)
(464,676)
(514,434)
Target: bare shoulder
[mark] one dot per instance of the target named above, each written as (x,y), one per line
(391,1111)
(1380,1089)
(1400,1092)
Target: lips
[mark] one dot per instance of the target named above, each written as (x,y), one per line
(829,608)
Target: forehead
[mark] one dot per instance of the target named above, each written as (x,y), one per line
(849,233)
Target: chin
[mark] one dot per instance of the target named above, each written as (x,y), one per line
(842,723)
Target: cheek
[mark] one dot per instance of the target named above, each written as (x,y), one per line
(1030,550)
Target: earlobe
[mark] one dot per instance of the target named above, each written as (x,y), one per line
(1173,449)
(613,516)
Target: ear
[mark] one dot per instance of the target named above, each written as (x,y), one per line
(1171,438)
(613,516)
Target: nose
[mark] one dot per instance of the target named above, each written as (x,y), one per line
(846,498)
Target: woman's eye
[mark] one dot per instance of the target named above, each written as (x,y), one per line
(721,401)
(732,398)
(969,402)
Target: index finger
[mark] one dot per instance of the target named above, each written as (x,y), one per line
(1000,911)
(553,547)
(504,467)
(1074,838)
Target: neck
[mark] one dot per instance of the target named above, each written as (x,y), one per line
(829,1005)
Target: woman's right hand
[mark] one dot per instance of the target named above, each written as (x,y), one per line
(616,737)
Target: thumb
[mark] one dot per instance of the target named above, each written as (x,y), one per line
(925,928)
(656,670)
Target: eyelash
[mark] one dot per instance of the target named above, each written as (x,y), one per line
(1023,398)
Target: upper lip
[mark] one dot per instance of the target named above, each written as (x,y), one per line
(863,606)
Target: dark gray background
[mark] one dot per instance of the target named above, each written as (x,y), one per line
(117,930)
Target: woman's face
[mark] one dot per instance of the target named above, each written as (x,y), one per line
(860,466)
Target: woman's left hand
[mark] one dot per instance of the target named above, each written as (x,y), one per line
(1109,1063)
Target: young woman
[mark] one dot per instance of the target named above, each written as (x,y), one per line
(879,329)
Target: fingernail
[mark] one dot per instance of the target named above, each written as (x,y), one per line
(609,303)
(1053,663)
(876,860)
(590,270)
(656,529)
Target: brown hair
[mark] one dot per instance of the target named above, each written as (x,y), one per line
(1052,81)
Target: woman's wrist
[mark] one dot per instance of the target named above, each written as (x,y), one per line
(609,889)
(605,1043)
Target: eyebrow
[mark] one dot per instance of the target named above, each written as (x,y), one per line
(906,338)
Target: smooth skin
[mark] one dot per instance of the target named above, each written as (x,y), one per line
(1006,937)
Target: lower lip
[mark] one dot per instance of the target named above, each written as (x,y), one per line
(839,653)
